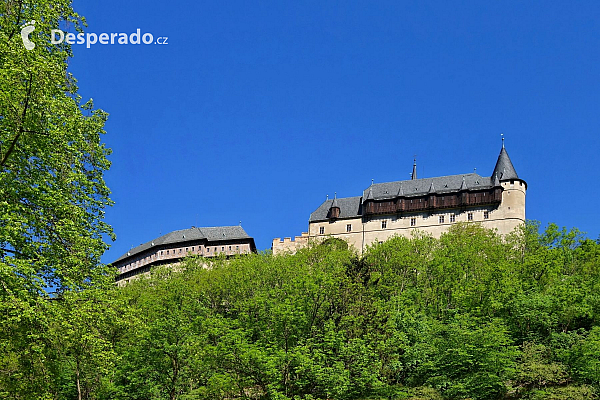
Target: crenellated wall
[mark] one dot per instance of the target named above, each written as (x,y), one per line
(289,245)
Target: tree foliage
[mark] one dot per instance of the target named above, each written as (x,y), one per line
(470,315)
(52,201)
(52,192)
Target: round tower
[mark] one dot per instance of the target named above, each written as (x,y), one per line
(511,211)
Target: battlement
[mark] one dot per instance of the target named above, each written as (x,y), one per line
(288,244)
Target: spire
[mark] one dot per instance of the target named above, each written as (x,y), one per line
(414,173)
(335,202)
(334,210)
(504,167)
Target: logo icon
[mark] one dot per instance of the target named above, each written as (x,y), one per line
(25,31)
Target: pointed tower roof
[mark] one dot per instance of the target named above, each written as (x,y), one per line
(504,167)
(334,210)
(414,173)
(335,202)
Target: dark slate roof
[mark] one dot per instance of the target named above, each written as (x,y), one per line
(349,207)
(185,235)
(504,167)
(335,203)
(224,233)
(421,187)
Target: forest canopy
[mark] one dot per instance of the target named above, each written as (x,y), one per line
(471,315)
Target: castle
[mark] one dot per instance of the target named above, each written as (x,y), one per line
(169,249)
(430,205)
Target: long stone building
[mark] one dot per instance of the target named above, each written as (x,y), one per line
(172,247)
(431,205)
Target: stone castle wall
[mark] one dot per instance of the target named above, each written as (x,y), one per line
(361,232)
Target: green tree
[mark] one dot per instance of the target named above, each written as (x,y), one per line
(83,328)
(52,192)
(162,350)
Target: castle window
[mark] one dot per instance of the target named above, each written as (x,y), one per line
(161,252)
(349,228)
(413,222)
(470,217)
(486,215)
(223,248)
(167,252)
(186,249)
(383,224)
(452,218)
(192,248)
(229,248)
(321,230)
(208,249)
(180,250)
(237,248)
(441,219)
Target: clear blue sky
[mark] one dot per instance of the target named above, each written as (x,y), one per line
(255,112)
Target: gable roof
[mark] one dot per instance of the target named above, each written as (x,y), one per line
(349,207)
(352,206)
(211,234)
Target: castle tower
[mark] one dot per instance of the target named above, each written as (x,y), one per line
(430,205)
(512,207)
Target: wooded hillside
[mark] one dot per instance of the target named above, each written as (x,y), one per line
(471,315)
